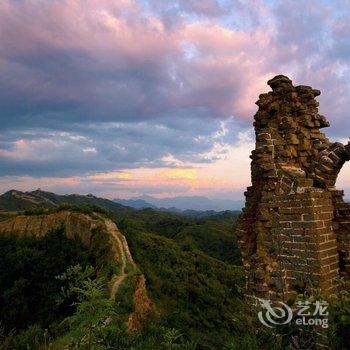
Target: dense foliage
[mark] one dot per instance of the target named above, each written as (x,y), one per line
(28,287)
(196,294)
(192,267)
(84,209)
(212,235)
(17,201)
(194,276)
(5,216)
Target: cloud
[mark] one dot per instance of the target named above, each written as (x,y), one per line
(223,178)
(97,61)
(99,147)
(205,8)
(99,86)
(311,44)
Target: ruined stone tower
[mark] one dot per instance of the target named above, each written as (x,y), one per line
(294,232)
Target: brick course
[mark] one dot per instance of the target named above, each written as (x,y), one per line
(294,232)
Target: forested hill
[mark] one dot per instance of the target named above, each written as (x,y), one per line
(14,200)
(192,269)
(53,289)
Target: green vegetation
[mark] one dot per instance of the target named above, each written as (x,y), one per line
(195,293)
(5,216)
(212,235)
(125,295)
(54,291)
(94,310)
(102,253)
(46,285)
(189,268)
(28,287)
(88,209)
(18,201)
(339,332)
(194,275)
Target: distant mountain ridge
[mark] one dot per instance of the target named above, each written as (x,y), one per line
(135,203)
(14,200)
(182,203)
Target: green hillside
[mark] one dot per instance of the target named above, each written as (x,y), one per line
(27,278)
(54,291)
(14,200)
(212,235)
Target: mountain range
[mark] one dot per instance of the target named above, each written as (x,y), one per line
(14,200)
(198,203)
(186,271)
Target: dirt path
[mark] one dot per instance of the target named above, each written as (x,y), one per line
(143,304)
(121,254)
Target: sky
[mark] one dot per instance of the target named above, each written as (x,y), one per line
(124,98)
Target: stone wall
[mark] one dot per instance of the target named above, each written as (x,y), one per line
(294,232)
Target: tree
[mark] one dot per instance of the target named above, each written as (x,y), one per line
(94,310)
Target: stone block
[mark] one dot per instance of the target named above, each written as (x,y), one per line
(292,200)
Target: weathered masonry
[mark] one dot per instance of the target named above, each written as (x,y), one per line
(294,232)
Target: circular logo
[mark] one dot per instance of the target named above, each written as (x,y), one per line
(274,315)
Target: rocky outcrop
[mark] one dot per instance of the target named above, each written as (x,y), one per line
(294,231)
(75,224)
(144,307)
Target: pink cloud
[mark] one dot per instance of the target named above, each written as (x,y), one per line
(70,181)
(94,27)
(225,76)
(229,71)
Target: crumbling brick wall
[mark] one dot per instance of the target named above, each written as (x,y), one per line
(294,232)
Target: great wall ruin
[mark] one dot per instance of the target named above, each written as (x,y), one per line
(294,232)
